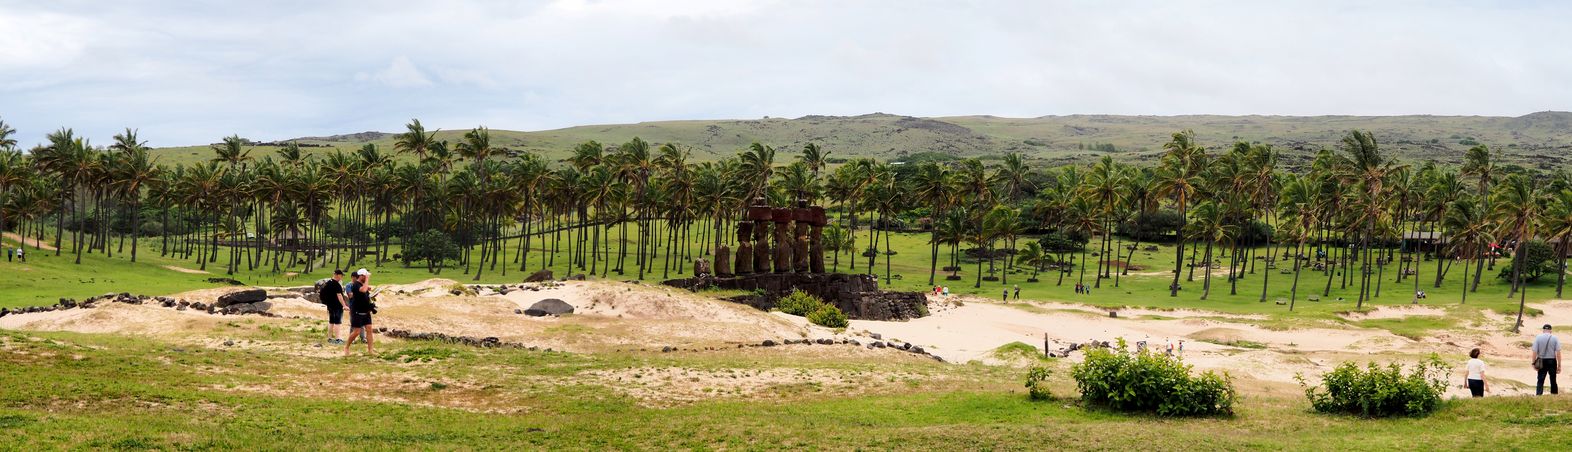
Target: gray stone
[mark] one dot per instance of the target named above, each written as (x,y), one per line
(768,343)
(539,276)
(240,297)
(260,307)
(549,306)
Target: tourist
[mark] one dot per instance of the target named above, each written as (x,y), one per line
(1476,374)
(1547,360)
(1017,291)
(360,310)
(1006,295)
(19,256)
(8,253)
(332,296)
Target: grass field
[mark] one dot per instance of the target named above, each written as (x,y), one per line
(46,277)
(1530,140)
(72,391)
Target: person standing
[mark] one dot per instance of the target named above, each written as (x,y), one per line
(1006,295)
(1476,375)
(19,256)
(1017,291)
(1547,360)
(332,296)
(360,311)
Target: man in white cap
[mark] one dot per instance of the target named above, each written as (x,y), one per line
(1547,360)
(360,311)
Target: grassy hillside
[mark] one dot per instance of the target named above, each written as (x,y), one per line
(1537,140)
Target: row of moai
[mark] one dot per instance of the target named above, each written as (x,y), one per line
(798,235)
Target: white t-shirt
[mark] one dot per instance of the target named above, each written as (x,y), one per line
(1476,369)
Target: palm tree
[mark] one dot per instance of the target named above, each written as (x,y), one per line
(1516,208)
(135,171)
(932,186)
(1557,226)
(1032,255)
(1182,161)
(1211,225)
(815,157)
(232,151)
(1015,175)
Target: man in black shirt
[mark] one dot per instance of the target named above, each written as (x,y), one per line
(332,296)
(360,310)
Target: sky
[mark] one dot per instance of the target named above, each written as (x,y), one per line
(191,72)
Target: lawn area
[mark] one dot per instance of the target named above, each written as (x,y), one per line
(113,392)
(47,277)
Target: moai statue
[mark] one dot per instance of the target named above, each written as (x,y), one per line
(744,247)
(800,238)
(759,214)
(701,267)
(816,239)
(783,239)
(723,261)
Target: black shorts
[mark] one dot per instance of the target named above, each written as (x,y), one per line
(359,319)
(1476,387)
(335,313)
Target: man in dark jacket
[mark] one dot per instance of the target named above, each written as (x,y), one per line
(331,294)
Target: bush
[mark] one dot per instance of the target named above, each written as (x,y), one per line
(1539,259)
(1148,382)
(432,246)
(799,303)
(828,316)
(1152,226)
(1037,383)
(1378,391)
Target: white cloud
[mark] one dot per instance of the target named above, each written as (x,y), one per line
(190,73)
(400,73)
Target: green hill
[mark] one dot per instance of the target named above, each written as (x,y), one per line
(1541,139)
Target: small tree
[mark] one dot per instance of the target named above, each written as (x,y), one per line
(431,246)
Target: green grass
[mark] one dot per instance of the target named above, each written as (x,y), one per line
(111,392)
(46,278)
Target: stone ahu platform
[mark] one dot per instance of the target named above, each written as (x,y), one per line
(856,295)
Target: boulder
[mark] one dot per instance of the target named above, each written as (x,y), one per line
(578,277)
(241,297)
(768,343)
(229,281)
(539,276)
(260,307)
(549,306)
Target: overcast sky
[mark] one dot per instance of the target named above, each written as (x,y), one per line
(191,72)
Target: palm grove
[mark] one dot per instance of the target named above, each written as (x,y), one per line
(638,208)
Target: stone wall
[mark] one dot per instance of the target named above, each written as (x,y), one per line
(856,295)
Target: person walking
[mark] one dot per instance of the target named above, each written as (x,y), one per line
(332,296)
(1547,360)
(1017,291)
(1476,375)
(19,256)
(1006,295)
(360,310)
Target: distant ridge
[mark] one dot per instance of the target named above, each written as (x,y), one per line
(1541,139)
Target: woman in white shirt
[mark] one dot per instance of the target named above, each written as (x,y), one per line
(1476,374)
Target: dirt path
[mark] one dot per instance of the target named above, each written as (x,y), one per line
(35,242)
(186,270)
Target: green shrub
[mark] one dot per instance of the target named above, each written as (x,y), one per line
(828,316)
(1037,383)
(1149,382)
(799,303)
(1380,391)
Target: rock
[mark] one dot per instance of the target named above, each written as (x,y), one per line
(229,281)
(518,311)
(549,306)
(260,307)
(918,350)
(578,277)
(539,276)
(242,296)
(229,343)
(877,344)
(822,341)
(666,349)
(180,307)
(853,342)
(4,312)
(876,336)
(768,343)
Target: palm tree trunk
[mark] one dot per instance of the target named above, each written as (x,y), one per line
(1206,286)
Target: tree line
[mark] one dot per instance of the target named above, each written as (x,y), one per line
(1345,216)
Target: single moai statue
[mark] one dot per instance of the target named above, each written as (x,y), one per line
(783,239)
(723,261)
(816,239)
(803,219)
(760,215)
(744,247)
(701,267)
